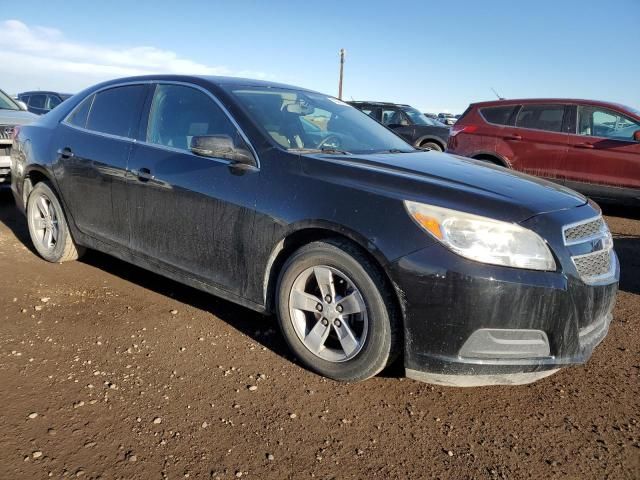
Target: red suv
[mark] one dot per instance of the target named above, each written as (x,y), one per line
(590,146)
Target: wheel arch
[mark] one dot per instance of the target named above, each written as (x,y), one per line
(493,157)
(33,175)
(311,232)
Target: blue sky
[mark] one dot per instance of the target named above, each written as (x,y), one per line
(437,56)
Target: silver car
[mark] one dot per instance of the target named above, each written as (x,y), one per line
(12,114)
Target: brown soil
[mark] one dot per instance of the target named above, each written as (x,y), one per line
(98,349)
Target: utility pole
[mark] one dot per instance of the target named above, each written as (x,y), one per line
(342,53)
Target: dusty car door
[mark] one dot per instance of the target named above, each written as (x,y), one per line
(190,214)
(537,144)
(92,146)
(603,152)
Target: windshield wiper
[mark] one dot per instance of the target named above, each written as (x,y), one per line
(330,151)
(396,150)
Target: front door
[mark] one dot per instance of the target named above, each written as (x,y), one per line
(190,213)
(602,150)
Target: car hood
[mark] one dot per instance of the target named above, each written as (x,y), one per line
(449,181)
(16,117)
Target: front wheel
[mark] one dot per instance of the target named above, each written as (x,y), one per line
(48,226)
(336,311)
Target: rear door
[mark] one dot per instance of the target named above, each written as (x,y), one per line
(537,143)
(602,149)
(93,146)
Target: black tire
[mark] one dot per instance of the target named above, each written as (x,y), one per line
(491,160)
(381,344)
(64,249)
(432,146)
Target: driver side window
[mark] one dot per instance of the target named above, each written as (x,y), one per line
(605,123)
(178,113)
(393,117)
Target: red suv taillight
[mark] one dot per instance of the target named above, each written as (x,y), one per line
(456,129)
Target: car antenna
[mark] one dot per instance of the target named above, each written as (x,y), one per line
(497,94)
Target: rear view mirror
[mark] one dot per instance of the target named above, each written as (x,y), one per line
(22,105)
(222,146)
(636,135)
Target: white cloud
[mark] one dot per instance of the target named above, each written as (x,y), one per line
(39,57)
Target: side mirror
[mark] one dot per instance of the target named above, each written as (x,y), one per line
(222,146)
(22,105)
(636,135)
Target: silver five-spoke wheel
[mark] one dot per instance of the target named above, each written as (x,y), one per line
(48,227)
(329,314)
(45,222)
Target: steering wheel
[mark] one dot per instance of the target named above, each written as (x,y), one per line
(328,138)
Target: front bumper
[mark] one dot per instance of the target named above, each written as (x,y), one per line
(468,323)
(5,166)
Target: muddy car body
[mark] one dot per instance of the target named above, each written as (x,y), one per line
(288,201)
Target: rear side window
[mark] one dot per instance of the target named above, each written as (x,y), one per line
(117,111)
(541,117)
(499,115)
(79,116)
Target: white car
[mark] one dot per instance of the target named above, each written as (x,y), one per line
(12,114)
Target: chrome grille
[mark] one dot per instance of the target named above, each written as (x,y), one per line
(6,132)
(593,265)
(584,231)
(592,233)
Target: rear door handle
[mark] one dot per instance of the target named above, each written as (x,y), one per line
(513,137)
(583,145)
(65,153)
(144,174)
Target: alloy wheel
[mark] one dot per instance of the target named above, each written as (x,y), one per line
(329,313)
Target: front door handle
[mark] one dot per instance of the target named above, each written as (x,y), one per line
(513,137)
(144,174)
(583,145)
(65,153)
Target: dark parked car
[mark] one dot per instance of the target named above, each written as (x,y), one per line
(418,129)
(593,147)
(40,102)
(289,201)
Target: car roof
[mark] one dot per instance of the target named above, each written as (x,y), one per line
(521,101)
(381,104)
(212,79)
(46,92)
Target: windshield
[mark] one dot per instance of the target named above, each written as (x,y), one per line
(6,103)
(419,118)
(304,121)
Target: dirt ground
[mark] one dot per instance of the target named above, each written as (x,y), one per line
(108,371)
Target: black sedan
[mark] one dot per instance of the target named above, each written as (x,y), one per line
(414,126)
(285,200)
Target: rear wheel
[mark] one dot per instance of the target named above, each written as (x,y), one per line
(335,311)
(48,226)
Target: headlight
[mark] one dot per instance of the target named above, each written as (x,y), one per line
(483,239)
